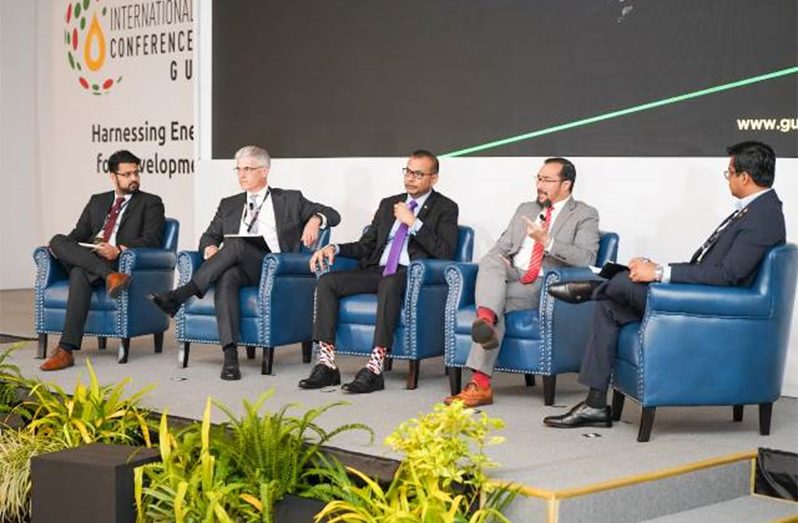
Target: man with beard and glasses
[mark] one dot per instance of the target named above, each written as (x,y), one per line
(730,257)
(416,224)
(552,231)
(111,222)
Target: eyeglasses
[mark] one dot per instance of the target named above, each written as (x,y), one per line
(728,173)
(247,170)
(417,175)
(548,180)
(130,174)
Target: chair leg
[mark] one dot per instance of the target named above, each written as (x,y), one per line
(737,412)
(765,413)
(102,342)
(124,350)
(157,340)
(183,356)
(41,350)
(307,351)
(646,422)
(455,379)
(250,352)
(412,374)
(387,365)
(549,386)
(617,404)
(529,379)
(268,360)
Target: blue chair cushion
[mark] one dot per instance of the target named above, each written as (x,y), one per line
(247,300)
(56,295)
(523,324)
(518,324)
(361,309)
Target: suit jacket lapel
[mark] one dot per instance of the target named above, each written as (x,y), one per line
(232,218)
(562,218)
(280,218)
(131,206)
(425,209)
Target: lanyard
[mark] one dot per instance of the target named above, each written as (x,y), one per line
(257,211)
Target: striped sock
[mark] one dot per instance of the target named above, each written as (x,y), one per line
(327,354)
(377,360)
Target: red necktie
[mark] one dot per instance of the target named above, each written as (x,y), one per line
(110,222)
(536,262)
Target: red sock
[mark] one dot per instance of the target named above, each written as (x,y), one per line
(486,314)
(481,379)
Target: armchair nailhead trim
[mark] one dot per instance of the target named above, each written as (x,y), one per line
(450,314)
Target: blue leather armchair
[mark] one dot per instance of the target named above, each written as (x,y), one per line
(709,345)
(546,341)
(418,334)
(279,311)
(129,315)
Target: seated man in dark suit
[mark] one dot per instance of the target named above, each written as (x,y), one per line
(730,257)
(284,220)
(553,231)
(417,224)
(112,221)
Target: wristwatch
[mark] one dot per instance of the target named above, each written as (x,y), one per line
(658,272)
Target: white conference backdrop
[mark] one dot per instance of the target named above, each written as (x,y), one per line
(154,100)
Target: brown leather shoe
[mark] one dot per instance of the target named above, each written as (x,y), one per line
(116,282)
(472,396)
(59,359)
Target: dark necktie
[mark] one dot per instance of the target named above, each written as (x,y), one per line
(396,245)
(110,222)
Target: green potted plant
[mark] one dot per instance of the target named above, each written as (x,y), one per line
(442,477)
(237,470)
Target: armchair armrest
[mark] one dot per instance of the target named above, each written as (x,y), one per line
(293,263)
(47,271)
(146,258)
(707,300)
(463,278)
(187,263)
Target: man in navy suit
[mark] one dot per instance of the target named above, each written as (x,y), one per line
(112,221)
(416,224)
(282,220)
(729,257)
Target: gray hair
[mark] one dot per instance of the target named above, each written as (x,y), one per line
(253,151)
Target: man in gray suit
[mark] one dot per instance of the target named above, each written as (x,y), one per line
(280,220)
(554,230)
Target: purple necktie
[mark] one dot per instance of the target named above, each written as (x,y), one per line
(396,245)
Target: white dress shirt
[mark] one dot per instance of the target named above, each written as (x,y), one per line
(112,239)
(267,224)
(524,256)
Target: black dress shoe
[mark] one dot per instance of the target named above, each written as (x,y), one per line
(365,381)
(321,376)
(581,416)
(484,333)
(165,303)
(230,371)
(574,291)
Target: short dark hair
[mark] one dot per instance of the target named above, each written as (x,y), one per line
(755,158)
(122,156)
(423,153)
(567,169)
